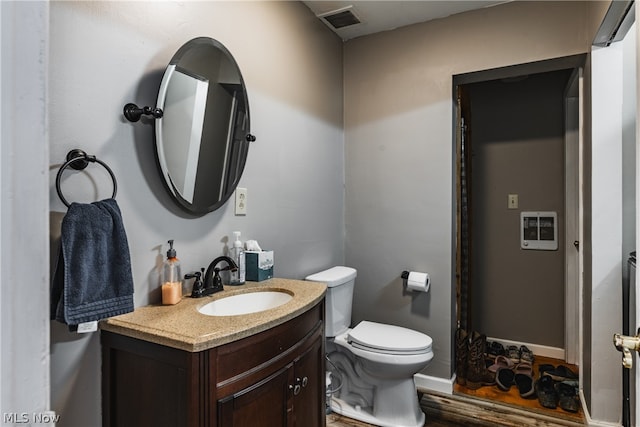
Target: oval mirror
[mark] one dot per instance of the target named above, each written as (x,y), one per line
(202,138)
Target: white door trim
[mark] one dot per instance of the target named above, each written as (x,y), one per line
(573,216)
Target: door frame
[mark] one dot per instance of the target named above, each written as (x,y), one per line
(574,213)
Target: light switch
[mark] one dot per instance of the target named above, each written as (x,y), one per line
(513,201)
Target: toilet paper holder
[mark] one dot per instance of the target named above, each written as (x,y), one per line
(416,281)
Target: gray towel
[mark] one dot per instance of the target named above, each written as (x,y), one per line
(93,277)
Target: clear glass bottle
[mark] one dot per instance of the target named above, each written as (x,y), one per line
(236,253)
(171,278)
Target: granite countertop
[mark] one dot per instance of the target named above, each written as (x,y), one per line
(182,326)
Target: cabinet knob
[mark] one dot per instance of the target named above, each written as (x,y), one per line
(305,381)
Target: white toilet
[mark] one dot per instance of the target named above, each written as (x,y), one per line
(371,365)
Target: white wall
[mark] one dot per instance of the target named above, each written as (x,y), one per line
(629,140)
(24,157)
(613,212)
(606,178)
(105,54)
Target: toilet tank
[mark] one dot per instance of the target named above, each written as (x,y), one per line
(340,281)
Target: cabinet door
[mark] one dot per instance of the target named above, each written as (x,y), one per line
(149,385)
(309,402)
(264,404)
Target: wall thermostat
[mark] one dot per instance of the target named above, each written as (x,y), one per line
(539,231)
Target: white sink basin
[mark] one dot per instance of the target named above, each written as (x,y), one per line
(251,302)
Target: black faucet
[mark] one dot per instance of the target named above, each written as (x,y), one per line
(212,283)
(198,287)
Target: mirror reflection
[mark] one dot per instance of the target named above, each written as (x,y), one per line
(202,138)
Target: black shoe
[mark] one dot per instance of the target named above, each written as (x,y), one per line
(504,378)
(568,397)
(546,391)
(494,348)
(562,373)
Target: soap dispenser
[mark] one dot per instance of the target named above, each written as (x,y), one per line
(171,278)
(236,253)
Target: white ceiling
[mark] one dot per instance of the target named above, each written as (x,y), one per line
(383,15)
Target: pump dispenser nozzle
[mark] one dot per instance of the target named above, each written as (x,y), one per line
(171,253)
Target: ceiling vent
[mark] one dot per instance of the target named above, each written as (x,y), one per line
(340,18)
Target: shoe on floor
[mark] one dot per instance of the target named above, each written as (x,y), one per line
(562,373)
(504,378)
(524,380)
(513,353)
(494,348)
(477,373)
(501,362)
(546,391)
(545,367)
(526,355)
(568,397)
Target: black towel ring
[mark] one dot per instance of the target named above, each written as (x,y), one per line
(79,160)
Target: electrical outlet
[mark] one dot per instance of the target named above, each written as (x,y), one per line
(512,201)
(241,201)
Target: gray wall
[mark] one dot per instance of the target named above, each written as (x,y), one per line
(399,153)
(517,140)
(105,54)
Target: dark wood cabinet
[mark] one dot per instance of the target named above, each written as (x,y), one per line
(273,378)
(289,397)
(266,401)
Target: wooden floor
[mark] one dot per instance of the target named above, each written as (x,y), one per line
(335,420)
(487,406)
(512,397)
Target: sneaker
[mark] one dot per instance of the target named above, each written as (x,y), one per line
(513,353)
(526,355)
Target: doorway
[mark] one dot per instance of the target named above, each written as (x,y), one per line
(517,144)
(515,135)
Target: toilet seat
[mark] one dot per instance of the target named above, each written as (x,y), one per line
(388,339)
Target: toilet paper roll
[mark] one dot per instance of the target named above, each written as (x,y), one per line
(419,282)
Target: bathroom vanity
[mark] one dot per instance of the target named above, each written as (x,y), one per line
(173,366)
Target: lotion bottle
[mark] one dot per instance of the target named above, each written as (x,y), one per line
(236,253)
(171,278)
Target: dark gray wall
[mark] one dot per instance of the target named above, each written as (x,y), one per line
(399,158)
(517,138)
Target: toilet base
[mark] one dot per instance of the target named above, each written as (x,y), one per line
(341,407)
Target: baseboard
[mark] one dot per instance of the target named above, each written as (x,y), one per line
(427,382)
(537,349)
(591,422)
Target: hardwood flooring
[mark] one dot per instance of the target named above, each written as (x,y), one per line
(335,420)
(512,397)
(487,406)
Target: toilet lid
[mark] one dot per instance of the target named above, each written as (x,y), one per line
(382,338)
(334,276)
